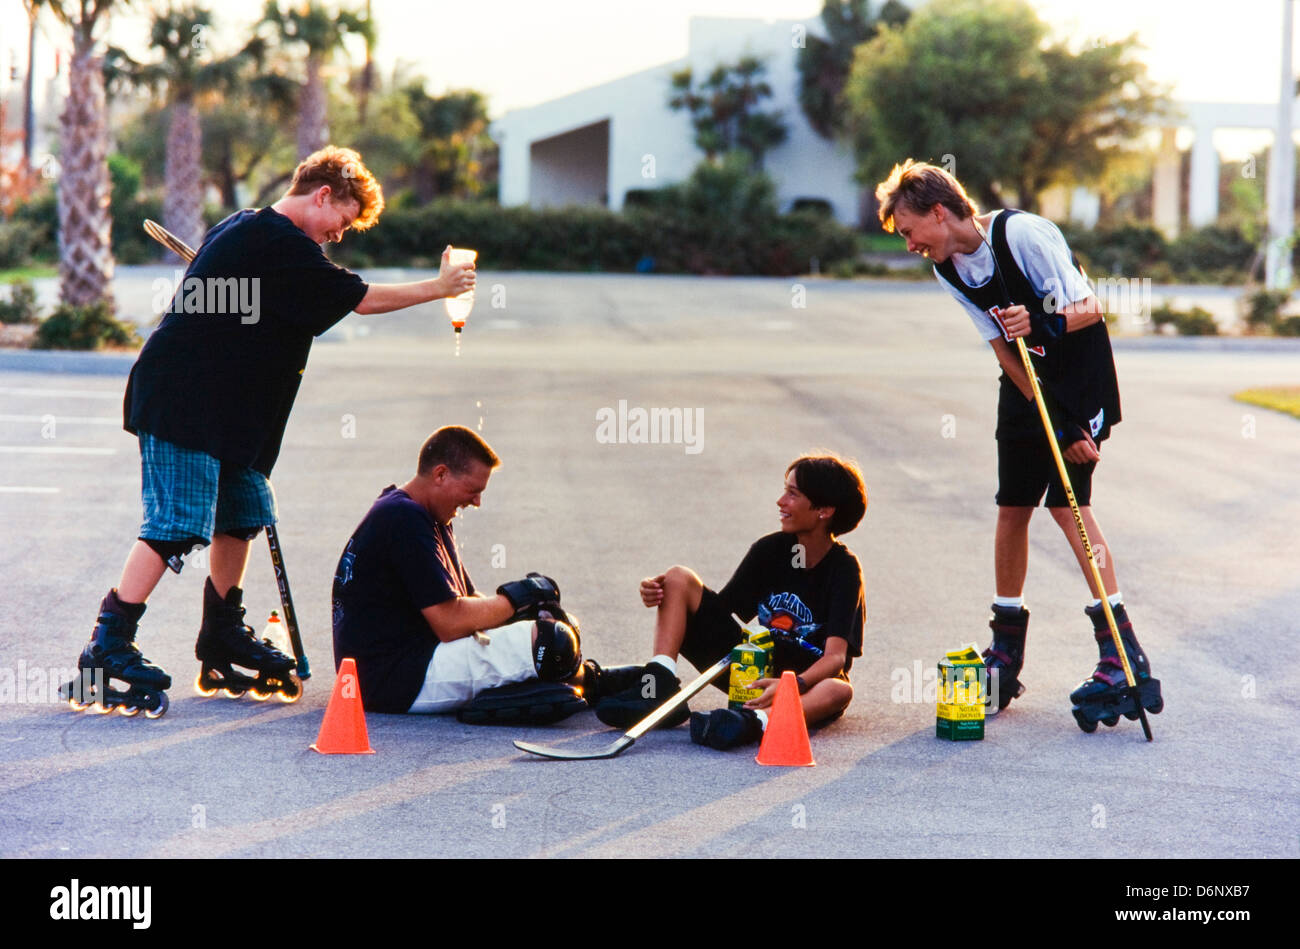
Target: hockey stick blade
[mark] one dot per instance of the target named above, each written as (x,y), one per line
(637,730)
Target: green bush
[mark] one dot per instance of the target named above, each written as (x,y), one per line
(1290,326)
(21,305)
(1128,250)
(672,237)
(819,206)
(1210,250)
(1194,322)
(84,327)
(1264,309)
(17,239)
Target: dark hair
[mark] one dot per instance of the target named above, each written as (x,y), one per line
(832,481)
(919,187)
(456,447)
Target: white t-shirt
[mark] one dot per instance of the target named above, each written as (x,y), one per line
(1040,251)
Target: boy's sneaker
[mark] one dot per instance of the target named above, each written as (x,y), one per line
(653,686)
(725,728)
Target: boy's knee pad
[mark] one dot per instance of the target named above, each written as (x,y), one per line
(171,551)
(557,653)
(243,533)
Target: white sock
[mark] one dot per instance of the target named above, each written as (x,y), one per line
(762,717)
(1010,602)
(668,662)
(1115,599)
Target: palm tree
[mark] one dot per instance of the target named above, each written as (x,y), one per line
(85,225)
(186,71)
(323,32)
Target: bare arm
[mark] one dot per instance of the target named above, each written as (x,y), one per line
(829,665)
(452,280)
(466,615)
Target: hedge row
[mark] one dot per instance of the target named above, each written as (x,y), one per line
(1211,254)
(592,239)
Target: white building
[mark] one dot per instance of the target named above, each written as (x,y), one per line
(593,146)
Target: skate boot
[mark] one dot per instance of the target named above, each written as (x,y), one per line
(1005,656)
(1104,696)
(112,654)
(653,685)
(600,682)
(725,728)
(225,641)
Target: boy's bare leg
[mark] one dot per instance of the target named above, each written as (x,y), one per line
(825,699)
(227,561)
(140,574)
(1011,550)
(1064,517)
(682,592)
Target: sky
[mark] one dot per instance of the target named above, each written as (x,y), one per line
(521,52)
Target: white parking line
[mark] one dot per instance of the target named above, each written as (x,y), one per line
(65,419)
(64,393)
(54,450)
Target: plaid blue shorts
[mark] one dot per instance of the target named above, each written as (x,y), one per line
(189,494)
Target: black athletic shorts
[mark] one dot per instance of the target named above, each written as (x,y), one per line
(711,633)
(1026,469)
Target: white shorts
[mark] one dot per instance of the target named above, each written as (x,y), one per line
(461,669)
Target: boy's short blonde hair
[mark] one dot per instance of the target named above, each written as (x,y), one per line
(348,180)
(919,187)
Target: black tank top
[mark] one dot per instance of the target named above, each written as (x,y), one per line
(1077,372)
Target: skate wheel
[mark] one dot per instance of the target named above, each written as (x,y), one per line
(199,688)
(161,710)
(1156,707)
(1110,722)
(1084,723)
(127,711)
(1131,716)
(294,683)
(78,706)
(257,696)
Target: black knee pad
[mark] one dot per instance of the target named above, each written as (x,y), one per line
(171,551)
(557,653)
(532,702)
(243,533)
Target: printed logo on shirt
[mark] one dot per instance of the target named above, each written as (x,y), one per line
(789,618)
(996,313)
(344,573)
(1096,422)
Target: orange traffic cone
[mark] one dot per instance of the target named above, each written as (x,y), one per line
(343,732)
(786,740)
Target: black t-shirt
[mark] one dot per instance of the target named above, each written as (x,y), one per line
(800,604)
(220,376)
(398,561)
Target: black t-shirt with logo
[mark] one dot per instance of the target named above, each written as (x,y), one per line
(399,561)
(801,606)
(221,371)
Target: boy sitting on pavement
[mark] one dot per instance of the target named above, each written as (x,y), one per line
(407,612)
(801,583)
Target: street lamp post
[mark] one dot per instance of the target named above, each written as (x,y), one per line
(1281,170)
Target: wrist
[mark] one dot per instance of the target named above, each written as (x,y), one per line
(803,685)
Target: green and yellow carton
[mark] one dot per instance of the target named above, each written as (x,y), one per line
(959,714)
(751,660)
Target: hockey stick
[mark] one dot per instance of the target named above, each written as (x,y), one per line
(1050,431)
(186,253)
(637,730)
